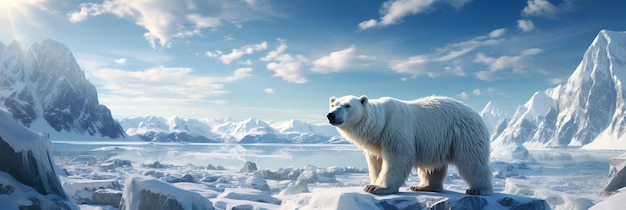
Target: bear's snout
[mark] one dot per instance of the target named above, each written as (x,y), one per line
(332,119)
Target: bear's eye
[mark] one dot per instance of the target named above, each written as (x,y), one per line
(348,106)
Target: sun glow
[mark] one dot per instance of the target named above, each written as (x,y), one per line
(12,4)
(15,12)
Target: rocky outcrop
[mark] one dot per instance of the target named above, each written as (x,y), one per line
(25,165)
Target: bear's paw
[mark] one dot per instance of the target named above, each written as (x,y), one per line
(379,190)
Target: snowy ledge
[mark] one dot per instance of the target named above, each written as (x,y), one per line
(355,198)
(162,193)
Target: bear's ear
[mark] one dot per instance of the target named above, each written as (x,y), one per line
(332,99)
(363,99)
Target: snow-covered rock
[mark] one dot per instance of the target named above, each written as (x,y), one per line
(27,175)
(271,174)
(507,150)
(109,197)
(615,201)
(248,167)
(111,164)
(141,192)
(355,198)
(313,175)
(299,187)
(249,195)
(557,200)
(258,183)
(82,189)
(45,90)
(617,176)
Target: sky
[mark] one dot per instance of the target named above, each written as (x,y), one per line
(278,60)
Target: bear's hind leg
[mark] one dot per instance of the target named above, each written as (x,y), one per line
(478,178)
(431,179)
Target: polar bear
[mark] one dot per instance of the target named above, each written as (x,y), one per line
(426,134)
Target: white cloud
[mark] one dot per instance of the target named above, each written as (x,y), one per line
(477,92)
(532,51)
(269,91)
(497,33)
(499,63)
(525,25)
(175,83)
(335,61)
(518,63)
(246,62)
(392,11)
(368,24)
(540,8)
(463,95)
(284,65)
(457,70)
(165,20)
(120,61)
(203,22)
(431,65)
(412,65)
(237,53)
(556,81)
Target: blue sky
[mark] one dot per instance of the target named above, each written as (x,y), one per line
(279,60)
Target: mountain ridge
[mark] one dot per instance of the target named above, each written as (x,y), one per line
(588,108)
(45,89)
(251,130)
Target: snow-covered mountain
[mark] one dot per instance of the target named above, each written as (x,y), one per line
(45,90)
(588,110)
(492,116)
(151,128)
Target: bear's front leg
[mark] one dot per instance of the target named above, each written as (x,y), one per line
(395,169)
(374,163)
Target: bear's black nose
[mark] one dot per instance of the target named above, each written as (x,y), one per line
(330,116)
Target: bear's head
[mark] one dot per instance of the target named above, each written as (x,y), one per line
(346,110)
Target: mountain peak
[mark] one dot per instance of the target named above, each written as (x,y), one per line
(492,115)
(48,83)
(589,106)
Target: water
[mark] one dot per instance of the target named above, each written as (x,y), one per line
(227,155)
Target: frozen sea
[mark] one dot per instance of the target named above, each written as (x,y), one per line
(574,172)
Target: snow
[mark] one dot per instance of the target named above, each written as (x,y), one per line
(617,176)
(557,200)
(616,201)
(82,189)
(565,178)
(354,198)
(21,138)
(141,192)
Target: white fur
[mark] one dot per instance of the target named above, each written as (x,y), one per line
(426,134)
